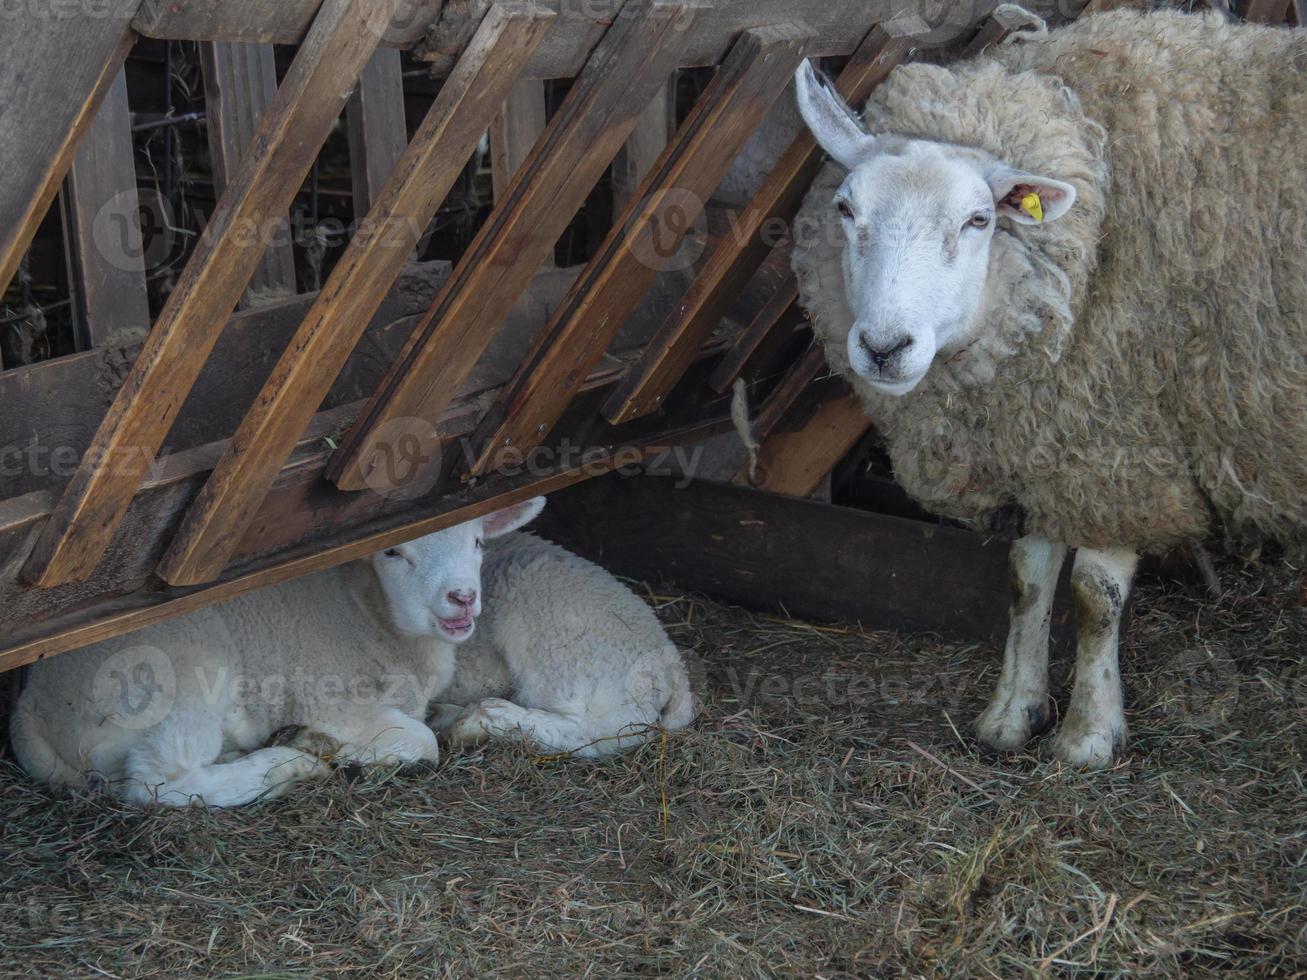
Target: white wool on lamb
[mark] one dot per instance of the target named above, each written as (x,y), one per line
(566,658)
(1068,281)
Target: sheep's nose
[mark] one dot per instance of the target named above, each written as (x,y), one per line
(462,597)
(881,355)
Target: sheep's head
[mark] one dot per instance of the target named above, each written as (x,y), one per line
(918,218)
(432,585)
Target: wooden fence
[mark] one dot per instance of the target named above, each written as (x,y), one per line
(260,433)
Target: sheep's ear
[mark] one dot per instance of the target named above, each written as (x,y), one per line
(833,123)
(1013,190)
(511,518)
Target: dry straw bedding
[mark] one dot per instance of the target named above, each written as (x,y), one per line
(828,817)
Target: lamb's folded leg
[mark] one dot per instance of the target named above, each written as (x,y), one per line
(1095,726)
(547,731)
(371,736)
(1020,705)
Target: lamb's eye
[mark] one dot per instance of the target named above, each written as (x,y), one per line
(844,209)
(980,220)
(393,553)
(480,544)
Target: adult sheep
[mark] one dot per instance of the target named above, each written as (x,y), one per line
(355,657)
(1068,282)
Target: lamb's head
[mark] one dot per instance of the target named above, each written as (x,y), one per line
(432,585)
(918,218)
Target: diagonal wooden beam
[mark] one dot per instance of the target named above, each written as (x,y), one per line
(631,62)
(57,67)
(728,269)
(795,460)
(645,235)
(372,262)
(288,139)
(775,323)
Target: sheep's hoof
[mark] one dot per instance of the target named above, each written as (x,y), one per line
(471,728)
(1009,723)
(1083,746)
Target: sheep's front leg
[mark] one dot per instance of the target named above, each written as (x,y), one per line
(1020,705)
(1095,726)
(371,736)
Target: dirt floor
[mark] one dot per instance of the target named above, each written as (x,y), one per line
(828,816)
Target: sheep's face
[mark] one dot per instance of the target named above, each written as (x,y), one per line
(917,218)
(432,585)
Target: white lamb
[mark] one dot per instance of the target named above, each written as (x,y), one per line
(1068,282)
(184,710)
(566,657)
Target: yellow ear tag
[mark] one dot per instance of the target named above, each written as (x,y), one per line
(1033,206)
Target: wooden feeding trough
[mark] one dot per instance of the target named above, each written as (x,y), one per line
(262,432)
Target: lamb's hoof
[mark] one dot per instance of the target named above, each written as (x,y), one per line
(470,729)
(349,773)
(294,767)
(1008,724)
(1084,746)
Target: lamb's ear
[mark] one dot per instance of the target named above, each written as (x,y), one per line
(1012,196)
(513,517)
(833,123)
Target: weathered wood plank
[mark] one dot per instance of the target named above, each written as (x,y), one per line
(1266,11)
(377,131)
(102,229)
(644,146)
(837,24)
(796,461)
(514,131)
(58,65)
(647,234)
(240,82)
(304,524)
(633,60)
(293,129)
(738,256)
(809,368)
(770,330)
(371,263)
(776,553)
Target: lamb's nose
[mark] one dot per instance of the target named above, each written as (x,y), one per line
(882,355)
(462,597)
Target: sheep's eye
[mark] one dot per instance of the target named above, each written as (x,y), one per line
(393,553)
(980,220)
(480,543)
(845,209)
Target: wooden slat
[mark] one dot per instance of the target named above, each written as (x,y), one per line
(377,131)
(1266,11)
(645,145)
(240,82)
(838,25)
(57,67)
(796,461)
(303,525)
(728,269)
(102,229)
(627,67)
(371,263)
(809,368)
(769,331)
(775,553)
(648,232)
(514,131)
(292,131)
